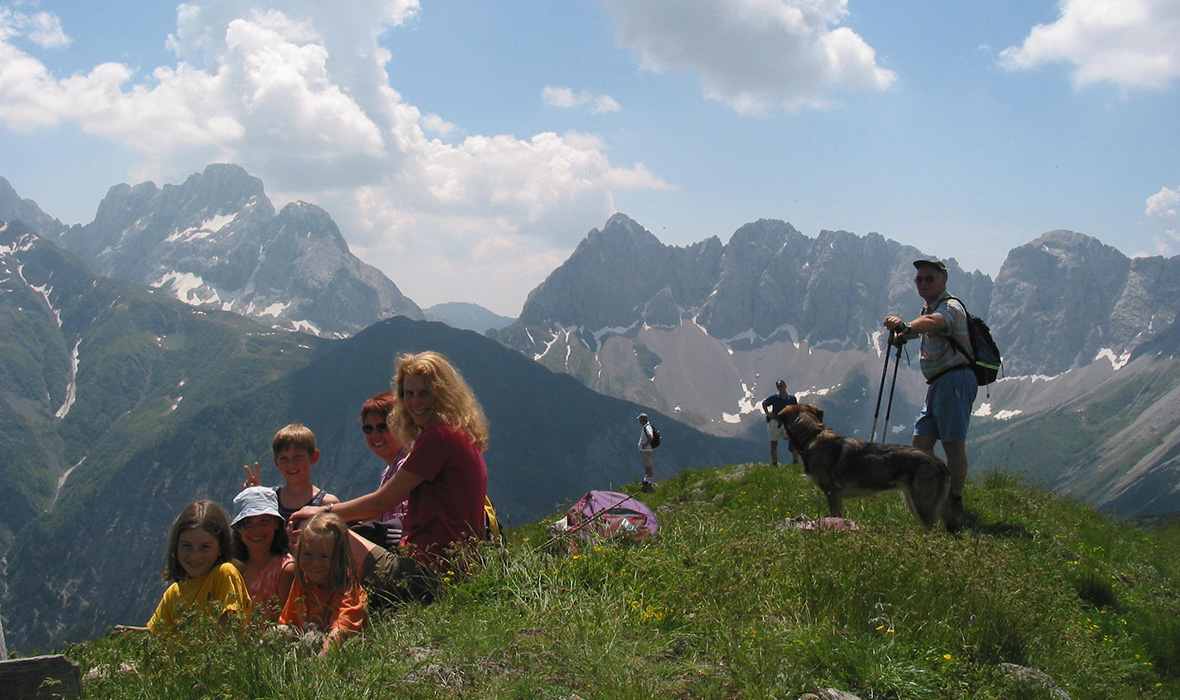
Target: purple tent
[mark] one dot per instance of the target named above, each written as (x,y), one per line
(605,513)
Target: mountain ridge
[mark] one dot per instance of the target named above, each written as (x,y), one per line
(216,241)
(1068,312)
(466,316)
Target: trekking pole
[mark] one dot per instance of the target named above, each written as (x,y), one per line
(892,386)
(881,390)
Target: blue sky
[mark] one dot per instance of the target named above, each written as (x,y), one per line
(466,147)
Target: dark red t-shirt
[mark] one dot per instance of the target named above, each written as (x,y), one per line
(447,508)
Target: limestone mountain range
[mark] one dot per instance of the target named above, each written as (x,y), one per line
(216,241)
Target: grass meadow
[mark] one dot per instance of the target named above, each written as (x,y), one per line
(1041,595)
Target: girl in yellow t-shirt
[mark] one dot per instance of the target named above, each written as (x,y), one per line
(326,595)
(198,563)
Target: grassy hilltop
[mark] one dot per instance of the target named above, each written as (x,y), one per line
(730,602)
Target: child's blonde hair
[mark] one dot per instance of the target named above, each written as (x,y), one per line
(201,515)
(455,402)
(295,435)
(325,525)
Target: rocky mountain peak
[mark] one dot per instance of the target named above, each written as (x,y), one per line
(620,239)
(1073,248)
(606,281)
(216,241)
(764,235)
(697,329)
(309,222)
(1065,298)
(26,210)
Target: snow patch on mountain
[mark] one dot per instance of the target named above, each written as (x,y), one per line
(815,392)
(202,230)
(747,403)
(746,335)
(275,309)
(24,243)
(548,345)
(61,481)
(875,342)
(985,410)
(309,327)
(187,287)
(44,291)
(613,330)
(1116,361)
(72,385)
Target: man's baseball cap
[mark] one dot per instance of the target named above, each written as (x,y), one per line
(642,416)
(780,383)
(931,262)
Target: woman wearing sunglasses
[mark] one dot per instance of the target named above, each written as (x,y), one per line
(387,529)
(444,477)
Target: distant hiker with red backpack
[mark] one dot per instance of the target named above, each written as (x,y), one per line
(647,440)
(950,379)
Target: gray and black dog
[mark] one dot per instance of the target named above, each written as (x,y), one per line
(844,467)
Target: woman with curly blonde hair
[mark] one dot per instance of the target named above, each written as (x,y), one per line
(444,477)
(452,401)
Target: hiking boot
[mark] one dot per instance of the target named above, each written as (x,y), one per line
(647,486)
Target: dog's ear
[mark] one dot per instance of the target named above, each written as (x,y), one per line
(815,411)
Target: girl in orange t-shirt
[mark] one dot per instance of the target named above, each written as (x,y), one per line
(260,550)
(326,595)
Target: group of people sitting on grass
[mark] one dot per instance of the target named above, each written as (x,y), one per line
(289,555)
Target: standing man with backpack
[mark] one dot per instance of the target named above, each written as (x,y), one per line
(645,449)
(951,381)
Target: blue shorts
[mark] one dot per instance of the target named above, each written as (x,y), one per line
(948,406)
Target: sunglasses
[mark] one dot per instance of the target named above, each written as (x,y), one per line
(380,427)
(924,279)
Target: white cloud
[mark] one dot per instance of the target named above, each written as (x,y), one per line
(1161,211)
(42,28)
(565,98)
(301,98)
(604,104)
(1163,203)
(560,97)
(753,55)
(1128,43)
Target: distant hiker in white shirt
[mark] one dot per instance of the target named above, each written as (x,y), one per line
(645,452)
